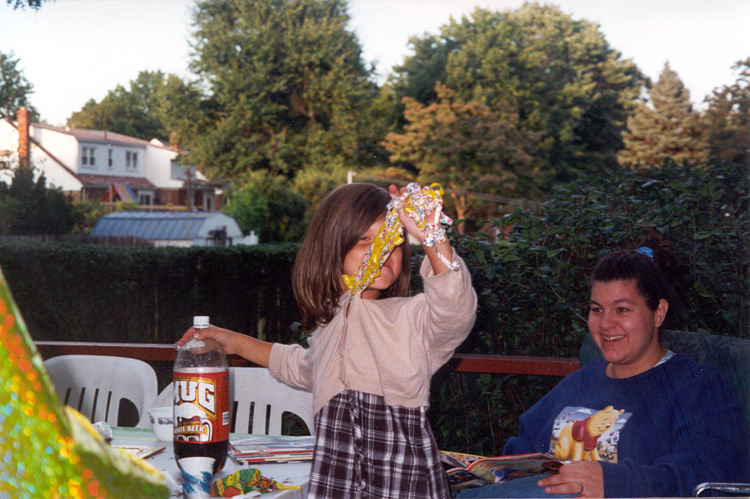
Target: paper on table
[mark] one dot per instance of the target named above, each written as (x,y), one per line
(272,448)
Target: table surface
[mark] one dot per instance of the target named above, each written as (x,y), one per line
(292,473)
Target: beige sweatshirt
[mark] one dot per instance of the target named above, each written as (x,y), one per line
(389,347)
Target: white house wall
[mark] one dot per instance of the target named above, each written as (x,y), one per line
(8,149)
(158,169)
(55,175)
(62,146)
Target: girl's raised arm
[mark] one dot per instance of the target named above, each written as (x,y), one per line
(434,252)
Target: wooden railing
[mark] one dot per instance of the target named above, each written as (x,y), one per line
(468,363)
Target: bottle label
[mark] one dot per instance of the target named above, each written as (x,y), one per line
(201,405)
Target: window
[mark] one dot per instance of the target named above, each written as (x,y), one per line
(127,159)
(145,198)
(87,156)
(109,157)
(135,160)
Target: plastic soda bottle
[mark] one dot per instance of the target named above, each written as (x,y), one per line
(201,399)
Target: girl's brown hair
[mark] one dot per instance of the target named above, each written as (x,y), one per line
(338,224)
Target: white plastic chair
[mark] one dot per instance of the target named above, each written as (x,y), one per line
(257,402)
(260,400)
(95,385)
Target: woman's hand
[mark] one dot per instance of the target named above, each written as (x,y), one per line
(233,343)
(579,477)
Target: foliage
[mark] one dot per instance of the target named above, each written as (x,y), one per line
(33,4)
(137,112)
(28,206)
(727,119)
(86,214)
(533,282)
(265,205)
(668,130)
(286,87)
(560,74)
(464,146)
(15,90)
(81,292)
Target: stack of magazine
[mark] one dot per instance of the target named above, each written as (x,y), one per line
(466,471)
(268,449)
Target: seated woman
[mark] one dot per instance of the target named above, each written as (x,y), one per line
(641,422)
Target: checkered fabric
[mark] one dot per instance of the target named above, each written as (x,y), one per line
(367,449)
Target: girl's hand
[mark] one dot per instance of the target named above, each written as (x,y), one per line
(579,477)
(441,254)
(228,340)
(406,220)
(233,343)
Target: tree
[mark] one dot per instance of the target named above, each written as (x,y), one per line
(14,88)
(727,119)
(28,206)
(669,130)
(33,4)
(560,74)
(139,111)
(465,146)
(266,205)
(286,88)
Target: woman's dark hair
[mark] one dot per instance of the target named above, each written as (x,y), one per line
(656,270)
(338,224)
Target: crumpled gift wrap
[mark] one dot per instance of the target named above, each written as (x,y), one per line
(46,449)
(245,481)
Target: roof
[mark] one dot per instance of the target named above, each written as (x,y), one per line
(83,134)
(166,225)
(107,180)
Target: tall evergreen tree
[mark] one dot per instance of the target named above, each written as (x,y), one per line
(727,119)
(669,129)
(28,206)
(287,88)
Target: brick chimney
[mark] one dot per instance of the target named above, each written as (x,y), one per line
(23,136)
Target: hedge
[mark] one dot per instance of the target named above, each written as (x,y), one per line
(532,284)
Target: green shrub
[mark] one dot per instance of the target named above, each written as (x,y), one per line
(533,288)
(76,292)
(532,284)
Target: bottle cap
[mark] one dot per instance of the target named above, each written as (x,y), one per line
(200,321)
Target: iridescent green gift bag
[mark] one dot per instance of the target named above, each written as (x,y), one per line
(48,450)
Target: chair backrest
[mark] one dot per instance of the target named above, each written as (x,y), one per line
(95,385)
(258,402)
(730,356)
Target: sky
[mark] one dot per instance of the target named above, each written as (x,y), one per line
(72,51)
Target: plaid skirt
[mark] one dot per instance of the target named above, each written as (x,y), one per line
(367,449)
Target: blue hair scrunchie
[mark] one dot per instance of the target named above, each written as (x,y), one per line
(645,250)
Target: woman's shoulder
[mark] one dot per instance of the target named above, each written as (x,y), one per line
(680,364)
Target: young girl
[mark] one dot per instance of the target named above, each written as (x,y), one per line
(372,353)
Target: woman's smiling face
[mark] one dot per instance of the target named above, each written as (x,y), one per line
(624,328)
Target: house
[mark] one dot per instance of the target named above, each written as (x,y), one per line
(105,166)
(175,228)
